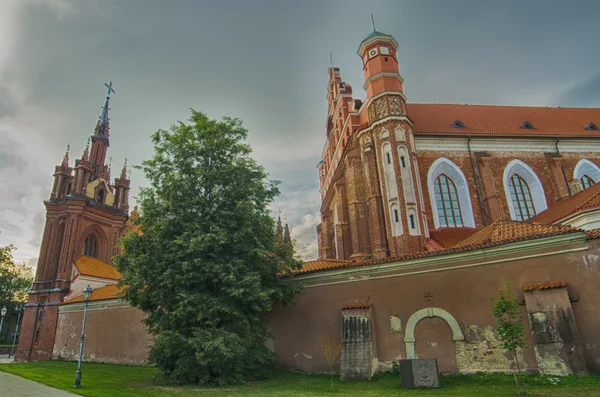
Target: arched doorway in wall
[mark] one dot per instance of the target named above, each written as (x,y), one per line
(433,339)
(436,337)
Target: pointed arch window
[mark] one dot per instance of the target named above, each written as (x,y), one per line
(587,173)
(521,198)
(586,181)
(447,202)
(90,246)
(101,196)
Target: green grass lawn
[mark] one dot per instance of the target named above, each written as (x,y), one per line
(117,381)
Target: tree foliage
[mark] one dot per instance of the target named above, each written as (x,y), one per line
(205,266)
(510,326)
(15,278)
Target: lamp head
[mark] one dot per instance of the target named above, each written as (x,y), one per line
(87,293)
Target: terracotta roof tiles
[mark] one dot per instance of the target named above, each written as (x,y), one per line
(504,231)
(502,120)
(357,306)
(94,267)
(585,200)
(499,232)
(450,236)
(546,285)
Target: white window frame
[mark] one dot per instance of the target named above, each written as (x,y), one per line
(535,186)
(445,166)
(586,167)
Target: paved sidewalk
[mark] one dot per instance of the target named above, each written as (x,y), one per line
(15,386)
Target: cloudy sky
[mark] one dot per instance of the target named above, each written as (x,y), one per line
(265,62)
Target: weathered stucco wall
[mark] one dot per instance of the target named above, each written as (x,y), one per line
(114,333)
(461,288)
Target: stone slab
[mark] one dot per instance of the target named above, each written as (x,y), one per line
(419,373)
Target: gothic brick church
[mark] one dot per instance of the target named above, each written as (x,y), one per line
(427,211)
(85,218)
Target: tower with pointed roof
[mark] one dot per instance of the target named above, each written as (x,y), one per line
(372,198)
(85,216)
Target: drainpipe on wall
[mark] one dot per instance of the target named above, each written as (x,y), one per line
(477,185)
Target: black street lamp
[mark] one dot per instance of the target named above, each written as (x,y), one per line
(87,295)
(18,309)
(2,314)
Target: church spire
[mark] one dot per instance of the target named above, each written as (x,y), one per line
(287,238)
(103,122)
(100,141)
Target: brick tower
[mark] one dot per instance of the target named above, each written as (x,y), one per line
(372,199)
(85,215)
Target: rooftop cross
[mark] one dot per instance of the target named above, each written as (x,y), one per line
(331,58)
(110,90)
(373,21)
(110,159)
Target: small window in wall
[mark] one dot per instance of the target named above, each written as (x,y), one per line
(412,221)
(68,189)
(389,158)
(396,218)
(586,181)
(403,162)
(101,196)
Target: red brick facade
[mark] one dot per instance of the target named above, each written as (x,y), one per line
(84,215)
(378,157)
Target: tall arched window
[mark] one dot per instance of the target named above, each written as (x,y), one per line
(449,195)
(447,202)
(521,198)
(586,181)
(90,246)
(524,191)
(587,173)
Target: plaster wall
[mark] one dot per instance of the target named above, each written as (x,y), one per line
(114,333)
(299,330)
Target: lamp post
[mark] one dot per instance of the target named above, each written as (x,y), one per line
(87,295)
(2,314)
(18,309)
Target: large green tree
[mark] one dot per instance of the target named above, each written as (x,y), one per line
(15,278)
(206,264)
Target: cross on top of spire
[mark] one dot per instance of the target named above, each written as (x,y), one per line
(110,89)
(373,21)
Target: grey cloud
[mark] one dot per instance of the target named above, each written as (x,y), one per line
(584,94)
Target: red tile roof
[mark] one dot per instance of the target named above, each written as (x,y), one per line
(592,234)
(357,306)
(504,231)
(499,232)
(94,267)
(449,236)
(502,120)
(546,285)
(105,293)
(585,200)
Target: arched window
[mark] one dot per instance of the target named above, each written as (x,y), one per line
(449,195)
(587,173)
(521,198)
(586,181)
(524,191)
(447,202)
(101,196)
(90,246)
